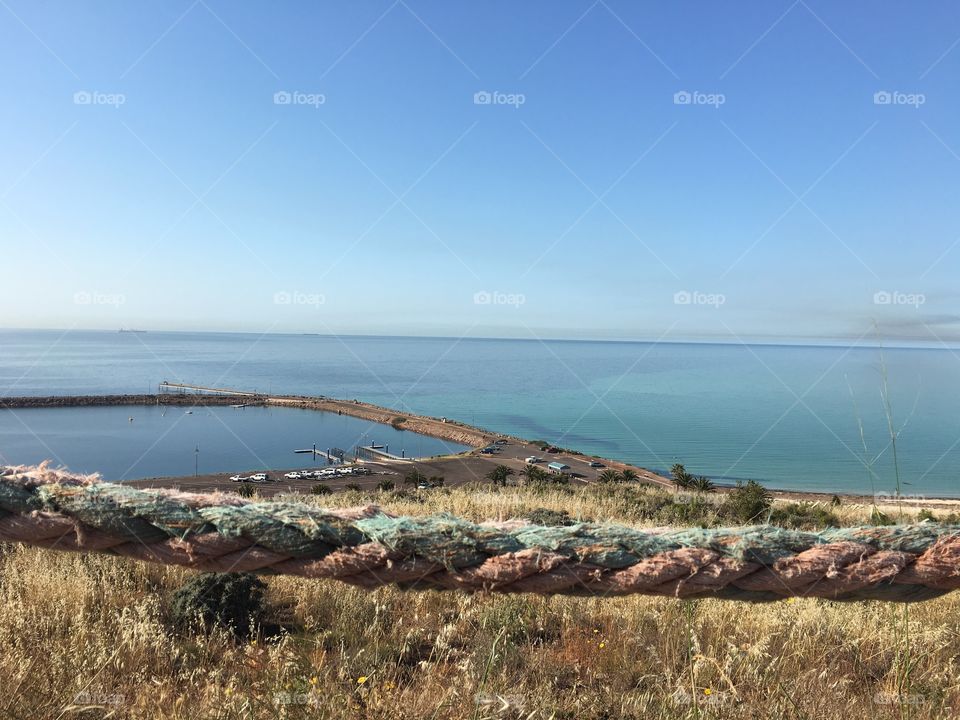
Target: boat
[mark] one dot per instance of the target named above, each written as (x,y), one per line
(131,330)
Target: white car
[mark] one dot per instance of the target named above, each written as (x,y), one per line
(533,460)
(258,477)
(293,476)
(238,478)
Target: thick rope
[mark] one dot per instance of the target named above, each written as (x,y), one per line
(367,547)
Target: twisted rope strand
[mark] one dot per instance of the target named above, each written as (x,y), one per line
(369,548)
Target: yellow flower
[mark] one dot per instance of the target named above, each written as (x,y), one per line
(313,680)
(361,680)
(229,691)
(391,685)
(707,691)
(791,600)
(602,645)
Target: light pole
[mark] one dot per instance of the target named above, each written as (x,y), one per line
(196,461)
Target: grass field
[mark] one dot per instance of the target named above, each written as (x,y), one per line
(91,636)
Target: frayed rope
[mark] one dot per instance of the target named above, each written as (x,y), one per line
(367,547)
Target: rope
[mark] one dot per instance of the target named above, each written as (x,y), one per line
(367,547)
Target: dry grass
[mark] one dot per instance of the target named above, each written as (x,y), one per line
(89,636)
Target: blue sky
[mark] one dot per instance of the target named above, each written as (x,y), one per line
(152,174)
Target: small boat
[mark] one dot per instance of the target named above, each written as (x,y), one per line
(189,412)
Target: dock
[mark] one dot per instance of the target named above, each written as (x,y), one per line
(183,387)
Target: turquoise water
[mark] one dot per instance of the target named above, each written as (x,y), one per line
(163,441)
(790,416)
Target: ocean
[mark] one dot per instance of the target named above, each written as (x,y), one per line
(793,417)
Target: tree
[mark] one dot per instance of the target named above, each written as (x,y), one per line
(385,485)
(414,477)
(629,476)
(701,483)
(498,476)
(609,476)
(681,477)
(535,475)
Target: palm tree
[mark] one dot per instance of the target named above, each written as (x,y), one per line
(701,483)
(629,475)
(681,477)
(535,475)
(609,476)
(499,475)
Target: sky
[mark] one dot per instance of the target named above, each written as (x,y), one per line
(617,170)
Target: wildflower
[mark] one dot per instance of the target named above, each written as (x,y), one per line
(602,645)
(314,680)
(707,691)
(391,685)
(361,680)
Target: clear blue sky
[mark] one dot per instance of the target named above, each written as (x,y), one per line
(173,192)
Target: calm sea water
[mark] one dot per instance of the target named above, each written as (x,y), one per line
(794,417)
(168,441)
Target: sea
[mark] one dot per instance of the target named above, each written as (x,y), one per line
(830,419)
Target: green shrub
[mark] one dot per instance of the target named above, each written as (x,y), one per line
(550,518)
(748,503)
(385,485)
(232,601)
(353,486)
(246,489)
(803,516)
(320,489)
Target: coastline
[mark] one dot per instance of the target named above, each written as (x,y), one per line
(442,428)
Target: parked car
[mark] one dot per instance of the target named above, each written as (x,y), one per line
(238,478)
(293,476)
(500,442)
(595,464)
(553,449)
(533,460)
(259,477)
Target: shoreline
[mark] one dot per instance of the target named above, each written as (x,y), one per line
(441,428)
